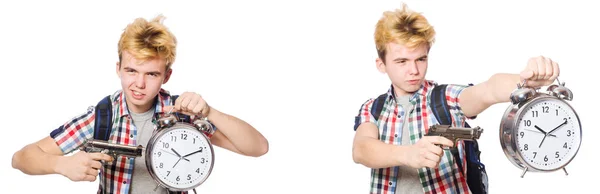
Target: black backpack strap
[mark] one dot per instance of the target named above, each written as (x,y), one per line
(182,117)
(378,106)
(103,120)
(475,169)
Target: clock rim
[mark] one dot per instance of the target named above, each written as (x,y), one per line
(149,162)
(509,127)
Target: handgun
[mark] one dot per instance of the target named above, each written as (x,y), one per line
(114,150)
(455,134)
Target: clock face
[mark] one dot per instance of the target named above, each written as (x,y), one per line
(181,158)
(548,134)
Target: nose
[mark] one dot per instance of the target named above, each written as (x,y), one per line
(140,81)
(413,69)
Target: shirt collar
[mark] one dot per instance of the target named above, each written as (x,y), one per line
(163,98)
(422,91)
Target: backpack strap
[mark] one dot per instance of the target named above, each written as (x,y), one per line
(378,106)
(440,110)
(475,169)
(103,120)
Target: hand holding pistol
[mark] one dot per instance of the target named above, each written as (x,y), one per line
(455,134)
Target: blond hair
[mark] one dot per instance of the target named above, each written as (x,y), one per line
(402,26)
(147,40)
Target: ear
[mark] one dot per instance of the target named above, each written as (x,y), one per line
(380,65)
(167,75)
(118,67)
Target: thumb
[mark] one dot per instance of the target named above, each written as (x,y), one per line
(167,109)
(526,74)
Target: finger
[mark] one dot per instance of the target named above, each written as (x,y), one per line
(91,171)
(431,156)
(101,156)
(429,163)
(527,74)
(185,101)
(555,71)
(439,140)
(178,101)
(540,68)
(195,100)
(95,164)
(548,68)
(435,149)
(167,109)
(90,178)
(198,109)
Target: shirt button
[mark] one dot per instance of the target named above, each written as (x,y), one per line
(395,135)
(125,182)
(390,183)
(131,136)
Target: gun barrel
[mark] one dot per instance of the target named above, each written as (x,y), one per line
(456,132)
(93,145)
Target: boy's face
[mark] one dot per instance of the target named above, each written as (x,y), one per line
(406,67)
(141,80)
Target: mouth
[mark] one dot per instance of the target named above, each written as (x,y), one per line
(137,95)
(414,81)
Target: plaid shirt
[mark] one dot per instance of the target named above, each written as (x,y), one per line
(444,179)
(114,177)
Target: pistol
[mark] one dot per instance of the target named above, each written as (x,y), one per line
(114,150)
(455,134)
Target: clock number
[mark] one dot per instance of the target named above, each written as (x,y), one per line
(165,145)
(526,148)
(556,112)
(189,177)
(202,161)
(565,145)
(522,134)
(569,133)
(545,109)
(168,172)
(527,123)
(565,119)
(546,158)
(194,140)
(197,170)
(159,153)
(184,136)
(173,138)
(160,165)
(534,154)
(534,113)
(556,155)
(177,179)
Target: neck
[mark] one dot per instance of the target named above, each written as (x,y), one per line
(138,109)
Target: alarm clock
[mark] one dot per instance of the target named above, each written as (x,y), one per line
(179,156)
(540,131)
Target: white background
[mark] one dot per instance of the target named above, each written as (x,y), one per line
(296,70)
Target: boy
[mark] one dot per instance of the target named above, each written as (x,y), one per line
(402,159)
(146,49)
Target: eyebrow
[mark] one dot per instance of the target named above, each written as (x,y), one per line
(406,59)
(150,72)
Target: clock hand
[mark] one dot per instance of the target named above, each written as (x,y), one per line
(192,153)
(564,123)
(179,155)
(176,162)
(538,128)
(551,135)
(542,141)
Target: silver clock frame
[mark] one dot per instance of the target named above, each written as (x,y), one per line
(521,101)
(160,133)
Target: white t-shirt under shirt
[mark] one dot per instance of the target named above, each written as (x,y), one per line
(141,181)
(408,177)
